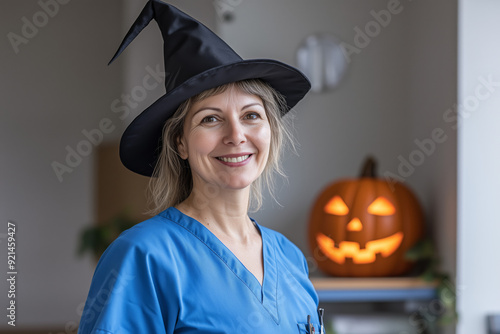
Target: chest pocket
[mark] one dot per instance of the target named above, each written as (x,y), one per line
(304,328)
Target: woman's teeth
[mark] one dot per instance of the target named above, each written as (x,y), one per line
(238,159)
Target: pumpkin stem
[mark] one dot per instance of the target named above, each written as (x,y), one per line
(369,168)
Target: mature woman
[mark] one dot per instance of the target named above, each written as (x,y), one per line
(201,265)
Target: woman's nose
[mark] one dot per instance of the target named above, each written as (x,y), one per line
(234,133)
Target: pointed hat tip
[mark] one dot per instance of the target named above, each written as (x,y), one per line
(140,23)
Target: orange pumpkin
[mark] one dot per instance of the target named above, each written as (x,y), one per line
(363,227)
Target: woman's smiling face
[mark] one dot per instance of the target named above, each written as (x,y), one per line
(226,140)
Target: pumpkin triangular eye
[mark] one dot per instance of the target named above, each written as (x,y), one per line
(381,207)
(336,206)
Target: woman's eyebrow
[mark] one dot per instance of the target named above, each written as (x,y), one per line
(252,104)
(220,110)
(207,108)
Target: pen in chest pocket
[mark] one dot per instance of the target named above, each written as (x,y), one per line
(321,312)
(310,327)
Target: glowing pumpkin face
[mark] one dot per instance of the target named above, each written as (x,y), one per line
(362,227)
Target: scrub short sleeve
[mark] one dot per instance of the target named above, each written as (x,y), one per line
(122,296)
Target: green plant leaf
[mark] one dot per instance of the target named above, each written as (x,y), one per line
(421,251)
(96,239)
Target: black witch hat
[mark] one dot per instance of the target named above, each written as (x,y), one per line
(198,60)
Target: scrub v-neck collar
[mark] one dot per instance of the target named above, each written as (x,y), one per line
(266,293)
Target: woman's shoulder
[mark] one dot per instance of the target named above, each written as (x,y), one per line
(148,235)
(164,222)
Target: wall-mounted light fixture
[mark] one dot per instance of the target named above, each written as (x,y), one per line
(320,57)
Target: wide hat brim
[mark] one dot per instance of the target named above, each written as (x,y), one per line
(142,140)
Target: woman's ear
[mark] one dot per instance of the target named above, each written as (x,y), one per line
(182,148)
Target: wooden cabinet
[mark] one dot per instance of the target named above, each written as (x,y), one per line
(117,189)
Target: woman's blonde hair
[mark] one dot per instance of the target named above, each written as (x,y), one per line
(172,180)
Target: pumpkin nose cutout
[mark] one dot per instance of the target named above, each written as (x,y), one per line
(355,225)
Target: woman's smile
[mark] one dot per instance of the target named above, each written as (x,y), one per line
(235,160)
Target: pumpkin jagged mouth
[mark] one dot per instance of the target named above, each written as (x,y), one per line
(385,246)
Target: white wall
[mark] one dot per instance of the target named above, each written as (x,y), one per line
(432,91)
(432,86)
(57,85)
(478,165)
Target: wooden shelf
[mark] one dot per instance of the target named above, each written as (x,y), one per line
(333,289)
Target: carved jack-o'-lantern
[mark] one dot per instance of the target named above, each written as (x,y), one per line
(363,227)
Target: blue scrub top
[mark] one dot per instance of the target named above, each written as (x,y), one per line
(170,274)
